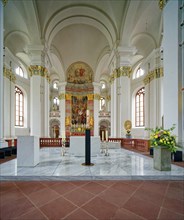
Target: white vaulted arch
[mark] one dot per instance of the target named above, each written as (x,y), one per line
(83,15)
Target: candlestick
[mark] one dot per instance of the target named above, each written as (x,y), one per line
(106,135)
(102,135)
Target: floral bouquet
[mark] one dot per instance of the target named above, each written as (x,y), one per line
(163,137)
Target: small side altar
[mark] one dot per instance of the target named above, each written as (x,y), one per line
(77,145)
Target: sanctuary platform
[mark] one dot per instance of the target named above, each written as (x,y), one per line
(121,164)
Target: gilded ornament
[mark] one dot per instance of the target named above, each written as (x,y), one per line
(96,96)
(68,96)
(108,98)
(61,96)
(157,73)
(39,71)
(90,97)
(4,2)
(161,4)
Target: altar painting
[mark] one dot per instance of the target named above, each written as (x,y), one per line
(79,107)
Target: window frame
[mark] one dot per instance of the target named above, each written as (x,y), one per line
(140,108)
(19,107)
(19,71)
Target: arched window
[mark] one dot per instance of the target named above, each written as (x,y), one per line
(19,71)
(138,73)
(56,103)
(19,107)
(55,85)
(139,108)
(102,103)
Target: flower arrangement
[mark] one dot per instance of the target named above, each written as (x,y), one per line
(163,137)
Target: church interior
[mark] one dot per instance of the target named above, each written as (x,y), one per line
(114,68)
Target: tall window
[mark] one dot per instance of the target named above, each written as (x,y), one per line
(102,103)
(55,85)
(56,104)
(139,108)
(19,107)
(19,71)
(138,73)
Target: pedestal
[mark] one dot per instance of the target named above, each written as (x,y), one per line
(28,151)
(77,146)
(3,144)
(162,158)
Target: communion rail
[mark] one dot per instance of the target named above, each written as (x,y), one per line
(53,142)
(133,143)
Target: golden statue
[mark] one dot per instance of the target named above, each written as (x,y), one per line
(128,126)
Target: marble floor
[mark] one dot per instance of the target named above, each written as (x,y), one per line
(121,164)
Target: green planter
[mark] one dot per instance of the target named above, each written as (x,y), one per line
(162,158)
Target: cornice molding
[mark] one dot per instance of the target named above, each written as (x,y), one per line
(155,74)
(37,70)
(121,71)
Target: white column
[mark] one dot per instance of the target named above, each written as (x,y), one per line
(170,56)
(62,106)
(96,108)
(125,113)
(2,142)
(46,107)
(35,105)
(147,108)
(112,109)
(7,116)
(115,108)
(12,109)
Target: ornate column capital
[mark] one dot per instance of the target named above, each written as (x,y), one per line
(61,96)
(157,73)
(96,96)
(4,2)
(162,3)
(9,74)
(39,71)
(121,71)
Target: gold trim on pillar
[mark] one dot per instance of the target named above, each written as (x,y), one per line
(121,71)
(96,96)
(9,74)
(155,74)
(108,98)
(37,70)
(68,97)
(61,96)
(161,4)
(90,97)
(4,2)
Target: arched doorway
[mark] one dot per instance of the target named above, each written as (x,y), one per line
(104,125)
(54,128)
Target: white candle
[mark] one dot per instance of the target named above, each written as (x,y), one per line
(102,135)
(106,135)
(87,118)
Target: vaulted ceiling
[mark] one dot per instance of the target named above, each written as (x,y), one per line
(90,31)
